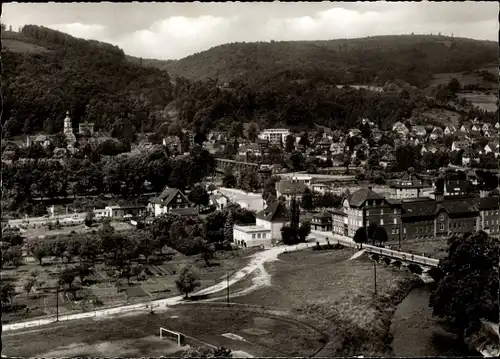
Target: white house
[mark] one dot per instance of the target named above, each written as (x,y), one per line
(274,135)
(273,218)
(459,145)
(437,132)
(219,200)
(252,236)
(450,130)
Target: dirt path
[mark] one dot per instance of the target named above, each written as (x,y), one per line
(256,265)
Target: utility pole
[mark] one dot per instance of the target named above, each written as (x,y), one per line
(227,280)
(375,275)
(57,303)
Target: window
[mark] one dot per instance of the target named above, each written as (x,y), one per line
(395,221)
(258,235)
(441,227)
(382,211)
(179,200)
(381,222)
(263,235)
(253,236)
(441,217)
(404,230)
(367,213)
(395,211)
(486,222)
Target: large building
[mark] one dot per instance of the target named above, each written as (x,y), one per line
(274,135)
(171,200)
(425,218)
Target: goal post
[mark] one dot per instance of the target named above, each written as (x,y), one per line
(172,335)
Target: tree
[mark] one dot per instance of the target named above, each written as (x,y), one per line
(249,180)
(208,252)
(229,180)
(89,218)
(360,236)
(289,143)
(7,293)
(39,251)
(372,227)
(13,255)
(304,140)
(187,281)
(304,230)
(289,235)
(30,282)
(252,132)
(467,289)
(199,196)
(307,200)
(84,270)
(228,227)
(380,235)
(454,85)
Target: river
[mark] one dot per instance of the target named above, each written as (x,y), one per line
(417,333)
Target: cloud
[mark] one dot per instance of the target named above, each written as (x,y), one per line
(89,31)
(175,30)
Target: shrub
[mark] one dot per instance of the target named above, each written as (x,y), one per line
(375,257)
(397,264)
(415,268)
(387,261)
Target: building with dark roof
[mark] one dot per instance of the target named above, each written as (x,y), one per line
(322,222)
(171,200)
(273,217)
(408,186)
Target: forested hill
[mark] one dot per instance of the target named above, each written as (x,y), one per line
(47,72)
(372,60)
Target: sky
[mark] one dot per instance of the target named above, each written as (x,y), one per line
(176,30)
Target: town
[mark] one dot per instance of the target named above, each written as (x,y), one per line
(149,213)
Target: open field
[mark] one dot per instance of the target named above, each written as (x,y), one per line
(44,231)
(466,78)
(137,335)
(335,295)
(99,290)
(482,101)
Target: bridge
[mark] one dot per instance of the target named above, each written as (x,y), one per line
(383,252)
(221,164)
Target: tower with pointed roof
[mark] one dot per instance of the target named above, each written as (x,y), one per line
(68,131)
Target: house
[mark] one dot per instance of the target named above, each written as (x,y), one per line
(340,222)
(376,135)
(123,212)
(275,135)
(423,150)
(353,132)
(459,145)
(497,125)
(465,128)
(466,157)
(337,148)
(493,146)
(251,149)
(252,236)
(171,200)
(437,132)
(419,131)
(400,128)
(218,200)
(450,130)
(477,127)
(273,218)
(456,187)
(85,127)
(487,127)
(42,140)
(408,186)
(291,187)
(322,222)
(387,160)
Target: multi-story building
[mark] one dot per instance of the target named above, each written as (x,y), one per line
(171,200)
(365,206)
(408,186)
(275,135)
(290,187)
(322,222)
(424,218)
(273,218)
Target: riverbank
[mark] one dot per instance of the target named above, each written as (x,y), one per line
(416,333)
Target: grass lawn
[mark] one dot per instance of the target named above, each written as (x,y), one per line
(482,101)
(101,291)
(32,233)
(137,335)
(337,296)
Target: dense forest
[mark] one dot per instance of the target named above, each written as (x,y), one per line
(371,60)
(98,83)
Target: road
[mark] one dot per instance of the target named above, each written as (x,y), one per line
(252,201)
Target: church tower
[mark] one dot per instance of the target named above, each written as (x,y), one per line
(68,126)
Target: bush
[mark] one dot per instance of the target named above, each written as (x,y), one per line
(387,261)
(415,268)
(397,264)
(375,257)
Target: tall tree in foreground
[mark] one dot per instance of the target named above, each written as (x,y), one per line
(360,236)
(467,282)
(187,281)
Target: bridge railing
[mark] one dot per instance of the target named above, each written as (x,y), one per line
(402,256)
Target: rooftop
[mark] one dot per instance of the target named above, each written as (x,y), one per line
(251,228)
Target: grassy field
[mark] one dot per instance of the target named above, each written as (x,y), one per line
(31,232)
(466,78)
(482,101)
(101,291)
(137,335)
(337,296)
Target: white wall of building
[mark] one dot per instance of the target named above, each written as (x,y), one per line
(252,236)
(274,227)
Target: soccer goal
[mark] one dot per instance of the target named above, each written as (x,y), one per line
(170,334)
